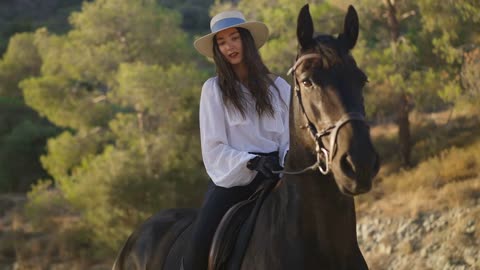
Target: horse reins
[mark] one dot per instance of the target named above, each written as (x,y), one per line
(331,129)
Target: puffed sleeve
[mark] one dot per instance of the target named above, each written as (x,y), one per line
(285,93)
(225,165)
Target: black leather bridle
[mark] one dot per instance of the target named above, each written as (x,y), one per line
(330,129)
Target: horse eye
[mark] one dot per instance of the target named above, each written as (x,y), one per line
(307,82)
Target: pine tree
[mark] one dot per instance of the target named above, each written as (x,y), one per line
(123,85)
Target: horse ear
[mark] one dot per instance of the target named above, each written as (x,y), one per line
(305,27)
(350,28)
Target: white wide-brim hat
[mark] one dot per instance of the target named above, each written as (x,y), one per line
(229,19)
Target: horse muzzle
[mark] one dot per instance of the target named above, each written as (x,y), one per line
(356,168)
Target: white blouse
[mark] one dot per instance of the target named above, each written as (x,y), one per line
(227,137)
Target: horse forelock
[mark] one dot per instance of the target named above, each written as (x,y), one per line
(339,70)
(325,46)
(334,55)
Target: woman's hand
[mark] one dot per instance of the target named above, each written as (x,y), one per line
(265,165)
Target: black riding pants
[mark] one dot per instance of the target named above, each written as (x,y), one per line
(217,202)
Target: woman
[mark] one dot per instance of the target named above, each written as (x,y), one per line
(243,123)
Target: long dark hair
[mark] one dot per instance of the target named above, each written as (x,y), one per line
(258,80)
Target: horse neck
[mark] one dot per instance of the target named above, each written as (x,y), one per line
(326,218)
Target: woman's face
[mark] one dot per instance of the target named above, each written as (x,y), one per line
(230,44)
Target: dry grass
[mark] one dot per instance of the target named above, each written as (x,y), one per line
(453,165)
(410,204)
(431,135)
(446,174)
(43,234)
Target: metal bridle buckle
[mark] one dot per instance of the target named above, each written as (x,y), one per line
(325,170)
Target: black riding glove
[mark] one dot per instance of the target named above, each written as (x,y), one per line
(265,165)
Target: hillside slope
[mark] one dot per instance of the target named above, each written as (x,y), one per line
(426,217)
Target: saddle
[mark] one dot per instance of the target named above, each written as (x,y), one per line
(235,229)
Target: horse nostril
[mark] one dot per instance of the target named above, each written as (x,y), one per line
(347,166)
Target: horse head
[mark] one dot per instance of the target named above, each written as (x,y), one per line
(329,104)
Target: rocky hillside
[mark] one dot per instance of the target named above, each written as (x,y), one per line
(428,216)
(433,239)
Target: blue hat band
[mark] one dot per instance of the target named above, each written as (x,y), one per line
(225,23)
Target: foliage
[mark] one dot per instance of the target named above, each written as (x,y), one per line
(453,30)
(22,139)
(67,151)
(67,236)
(26,16)
(65,103)
(154,158)
(21,60)
(194,13)
(22,132)
(108,32)
(427,58)
(22,146)
(130,147)
(45,205)
(470,74)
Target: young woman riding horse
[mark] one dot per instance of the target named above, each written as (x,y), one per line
(308,221)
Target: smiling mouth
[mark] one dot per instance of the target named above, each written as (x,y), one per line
(233,55)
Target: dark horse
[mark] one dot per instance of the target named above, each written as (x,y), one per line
(308,221)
